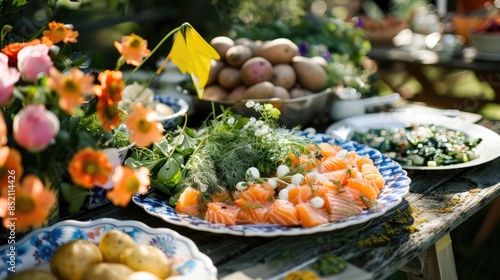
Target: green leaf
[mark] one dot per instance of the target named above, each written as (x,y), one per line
(187,145)
(135,163)
(163,148)
(74,195)
(170,172)
(85,140)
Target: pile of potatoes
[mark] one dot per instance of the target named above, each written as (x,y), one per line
(251,69)
(116,257)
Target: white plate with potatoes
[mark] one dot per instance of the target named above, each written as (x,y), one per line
(104,249)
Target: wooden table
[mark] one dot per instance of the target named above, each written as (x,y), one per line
(417,229)
(416,66)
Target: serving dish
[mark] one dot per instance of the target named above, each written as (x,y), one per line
(488,149)
(36,248)
(180,107)
(299,111)
(397,186)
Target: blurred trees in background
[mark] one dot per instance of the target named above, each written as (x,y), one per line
(101,22)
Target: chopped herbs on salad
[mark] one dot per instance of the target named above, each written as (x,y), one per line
(421,145)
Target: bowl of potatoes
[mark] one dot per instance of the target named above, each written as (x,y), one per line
(104,249)
(267,72)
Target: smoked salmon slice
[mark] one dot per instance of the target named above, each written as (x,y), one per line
(283,212)
(339,177)
(310,216)
(252,212)
(339,207)
(300,194)
(189,202)
(222,213)
(258,192)
(331,164)
(371,172)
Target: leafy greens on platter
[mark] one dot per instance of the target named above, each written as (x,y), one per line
(215,157)
(421,145)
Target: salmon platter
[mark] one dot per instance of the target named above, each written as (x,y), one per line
(345,183)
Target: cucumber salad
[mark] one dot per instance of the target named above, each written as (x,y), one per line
(421,145)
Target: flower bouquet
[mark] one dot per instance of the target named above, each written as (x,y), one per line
(62,128)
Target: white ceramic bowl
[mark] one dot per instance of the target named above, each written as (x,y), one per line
(180,107)
(486,43)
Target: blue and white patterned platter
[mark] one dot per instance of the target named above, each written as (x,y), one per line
(397,186)
(36,248)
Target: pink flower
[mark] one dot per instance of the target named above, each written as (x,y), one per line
(34,127)
(33,61)
(8,78)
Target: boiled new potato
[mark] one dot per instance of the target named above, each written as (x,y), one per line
(256,70)
(113,243)
(72,259)
(311,75)
(32,274)
(221,44)
(142,275)
(262,90)
(237,94)
(215,93)
(107,271)
(237,55)
(229,77)
(280,50)
(284,76)
(146,258)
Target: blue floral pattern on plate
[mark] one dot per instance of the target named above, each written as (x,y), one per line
(180,107)
(397,186)
(36,248)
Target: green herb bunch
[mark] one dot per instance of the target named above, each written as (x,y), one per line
(215,157)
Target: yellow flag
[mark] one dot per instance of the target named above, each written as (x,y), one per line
(193,55)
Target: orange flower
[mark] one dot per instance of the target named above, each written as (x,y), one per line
(89,167)
(59,32)
(33,204)
(11,168)
(11,50)
(111,88)
(70,87)
(133,48)
(143,126)
(127,183)
(109,115)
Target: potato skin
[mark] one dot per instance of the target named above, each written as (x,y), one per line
(215,67)
(107,271)
(256,70)
(113,243)
(284,76)
(310,75)
(221,44)
(262,90)
(281,93)
(147,258)
(237,94)
(280,50)
(229,77)
(237,55)
(32,274)
(215,93)
(70,261)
